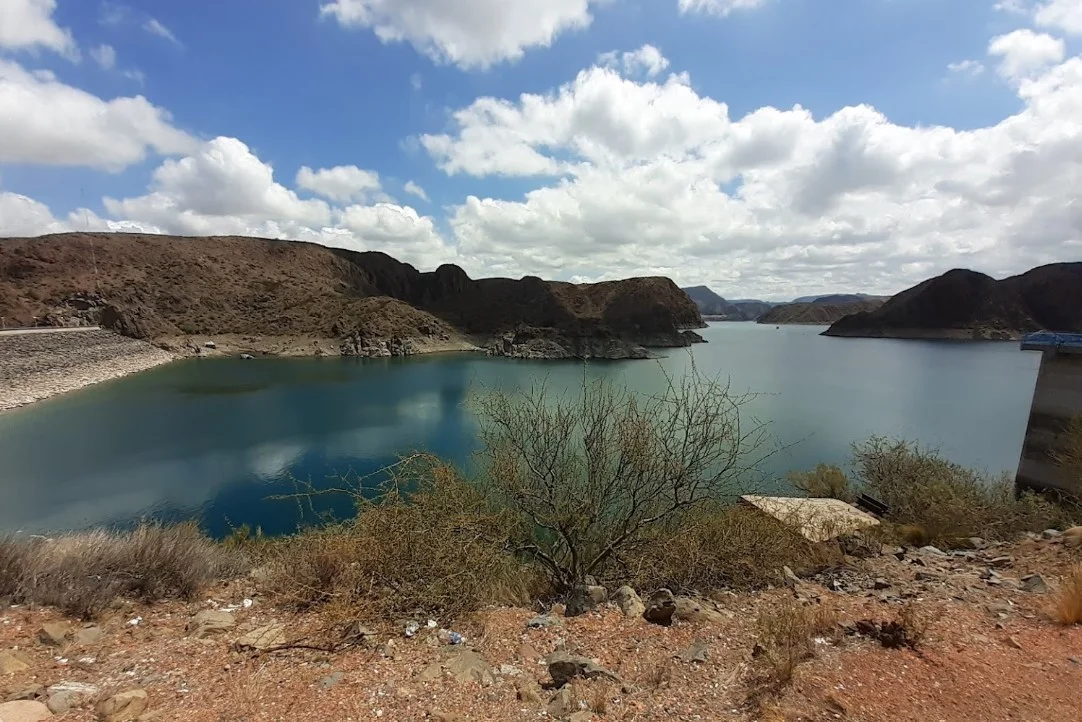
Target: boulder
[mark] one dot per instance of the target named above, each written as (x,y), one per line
(90,634)
(564,667)
(12,663)
(585,598)
(1034,583)
(208,622)
(24,711)
(469,666)
(262,638)
(1073,536)
(692,610)
(123,707)
(65,696)
(660,608)
(55,634)
(629,602)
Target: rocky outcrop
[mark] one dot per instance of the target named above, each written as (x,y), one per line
(816,312)
(162,288)
(968,305)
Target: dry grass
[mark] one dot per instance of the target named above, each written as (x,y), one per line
(443,553)
(1067,605)
(719,547)
(786,634)
(82,574)
(825,481)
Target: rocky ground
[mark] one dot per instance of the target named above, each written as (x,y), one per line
(34,366)
(986,649)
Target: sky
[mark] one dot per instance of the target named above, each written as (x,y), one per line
(765,148)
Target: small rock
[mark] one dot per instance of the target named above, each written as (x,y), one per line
(1001,562)
(527,692)
(932,551)
(880,583)
(468,666)
(209,622)
(697,652)
(270,635)
(660,608)
(123,707)
(55,634)
(527,652)
(926,577)
(1014,643)
(691,610)
(788,578)
(61,702)
(90,634)
(12,663)
(1000,608)
(1051,533)
(24,711)
(331,679)
(896,552)
(562,703)
(564,667)
(1034,583)
(247,356)
(629,602)
(1073,536)
(543,621)
(1074,660)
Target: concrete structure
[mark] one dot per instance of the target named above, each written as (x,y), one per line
(1056,400)
(817,520)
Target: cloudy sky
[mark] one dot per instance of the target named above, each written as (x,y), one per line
(767,148)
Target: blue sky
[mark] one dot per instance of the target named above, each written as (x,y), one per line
(914,152)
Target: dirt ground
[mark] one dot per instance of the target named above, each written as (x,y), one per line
(989,651)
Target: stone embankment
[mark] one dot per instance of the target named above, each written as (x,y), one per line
(36,365)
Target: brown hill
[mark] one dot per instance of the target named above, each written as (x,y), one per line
(816,313)
(967,304)
(164,287)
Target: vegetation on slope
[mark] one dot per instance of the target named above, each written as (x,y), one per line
(815,313)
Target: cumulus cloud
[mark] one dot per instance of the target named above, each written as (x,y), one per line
(104,56)
(466,33)
(415,190)
(155,27)
(29,25)
(45,121)
(1064,15)
(23,216)
(657,179)
(1023,53)
(341,183)
(720,8)
(647,60)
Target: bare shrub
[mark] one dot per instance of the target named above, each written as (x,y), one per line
(593,475)
(429,542)
(826,481)
(83,573)
(718,547)
(786,637)
(946,500)
(1067,604)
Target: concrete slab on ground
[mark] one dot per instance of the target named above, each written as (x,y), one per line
(816,520)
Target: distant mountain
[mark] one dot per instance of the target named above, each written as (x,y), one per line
(967,304)
(816,313)
(836,299)
(718,309)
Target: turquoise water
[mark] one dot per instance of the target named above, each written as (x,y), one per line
(213,439)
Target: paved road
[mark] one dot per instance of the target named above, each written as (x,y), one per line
(51,329)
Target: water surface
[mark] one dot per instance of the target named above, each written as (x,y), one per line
(212,439)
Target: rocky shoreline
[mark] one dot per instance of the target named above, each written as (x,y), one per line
(35,366)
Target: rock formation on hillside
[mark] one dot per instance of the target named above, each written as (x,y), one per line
(166,289)
(966,304)
(716,308)
(815,313)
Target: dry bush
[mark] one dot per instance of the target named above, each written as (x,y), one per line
(1067,605)
(786,632)
(917,622)
(826,481)
(945,499)
(719,547)
(594,474)
(83,573)
(429,542)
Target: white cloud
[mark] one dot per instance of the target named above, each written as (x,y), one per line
(416,190)
(720,8)
(104,56)
(29,24)
(647,60)
(657,179)
(44,121)
(416,81)
(1065,15)
(22,216)
(341,183)
(155,27)
(1024,52)
(966,67)
(137,75)
(467,33)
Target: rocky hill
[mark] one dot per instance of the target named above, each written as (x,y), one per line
(815,312)
(967,304)
(717,308)
(169,289)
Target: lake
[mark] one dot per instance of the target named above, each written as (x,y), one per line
(213,439)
